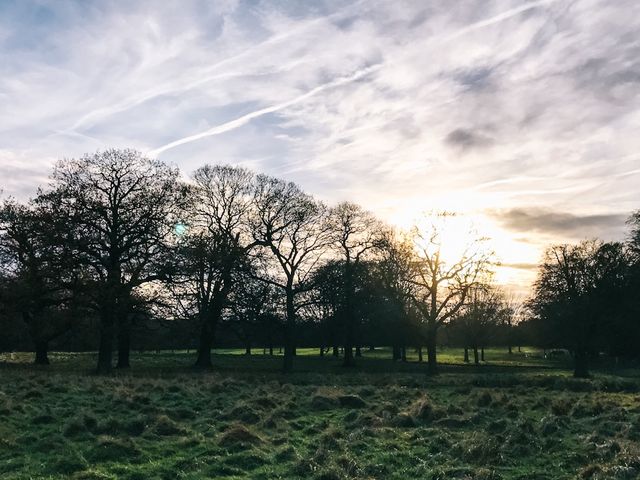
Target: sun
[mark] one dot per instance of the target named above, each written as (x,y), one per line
(467,219)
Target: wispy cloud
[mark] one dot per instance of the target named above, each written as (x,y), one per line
(244,119)
(403,106)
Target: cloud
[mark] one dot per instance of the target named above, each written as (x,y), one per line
(471,105)
(467,139)
(560,224)
(520,266)
(21,175)
(244,119)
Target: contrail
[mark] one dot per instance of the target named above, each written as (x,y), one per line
(206,75)
(238,122)
(498,18)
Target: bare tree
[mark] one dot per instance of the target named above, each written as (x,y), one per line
(214,247)
(294,228)
(514,309)
(442,282)
(356,234)
(121,209)
(480,316)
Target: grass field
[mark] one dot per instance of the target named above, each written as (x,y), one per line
(519,416)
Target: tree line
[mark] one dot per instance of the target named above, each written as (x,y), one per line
(119,251)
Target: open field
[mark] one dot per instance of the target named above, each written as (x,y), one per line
(519,417)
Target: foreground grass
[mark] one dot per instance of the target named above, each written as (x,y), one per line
(245,420)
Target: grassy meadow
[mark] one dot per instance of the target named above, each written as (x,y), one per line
(517,416)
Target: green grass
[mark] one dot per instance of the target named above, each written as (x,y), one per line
(517,417)
(307,360)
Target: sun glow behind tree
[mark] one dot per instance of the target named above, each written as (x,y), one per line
(456,227)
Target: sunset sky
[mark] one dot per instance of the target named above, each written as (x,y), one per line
(524,116)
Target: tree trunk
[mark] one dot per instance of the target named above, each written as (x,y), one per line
(581,367)
(42,348)
(403,352)
(358,352)
(289,345)
(247,349)
(476,358)
(336,351)
(348,345)
(397,354)
(106,346)
(510,350)
(203,360)
(482,353)
(466,354)
(348,356)
(124,345)
(420,354)
(271,350)
(321,351)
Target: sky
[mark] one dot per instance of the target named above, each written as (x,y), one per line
(521,115)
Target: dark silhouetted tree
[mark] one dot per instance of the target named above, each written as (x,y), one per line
(214,248)
(356,234)
(443,277)
(42,282)
(576,294)
(293,227)
(122,210)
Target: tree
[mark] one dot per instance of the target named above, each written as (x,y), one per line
(121,209)
(631,309)
(443,277)
(484,310)
(514,307)
(215,246)
(355,233)
(395,314)
(252,307)
(366,304)
(293,227)
(575,294)
(327,294)
(42,284)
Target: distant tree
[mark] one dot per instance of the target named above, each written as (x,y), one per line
(356,234)
(327,303)
(121,210)
(365,304)
(442,283)
(514,307)
(478,319)
(252,307)
(395,314)
(572,297)
(293,227)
